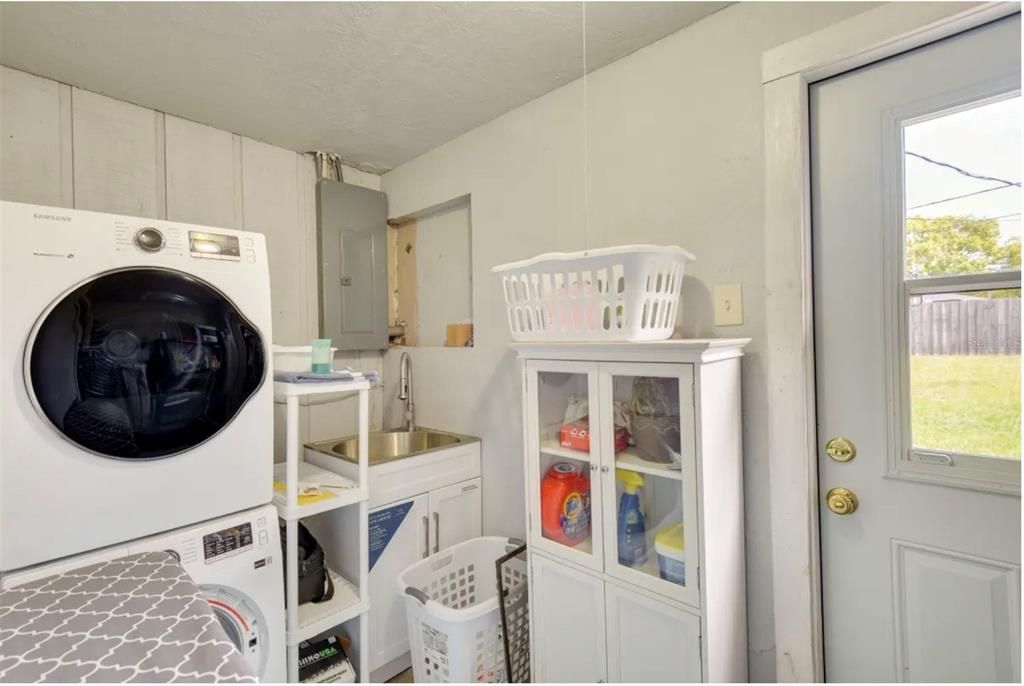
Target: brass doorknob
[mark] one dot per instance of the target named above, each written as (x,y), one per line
(842,501)
(841,449)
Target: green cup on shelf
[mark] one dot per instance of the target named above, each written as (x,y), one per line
(321,356)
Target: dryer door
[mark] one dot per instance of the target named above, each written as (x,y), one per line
(142,363)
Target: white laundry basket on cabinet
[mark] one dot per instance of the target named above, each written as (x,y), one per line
(625,293)
(451,601)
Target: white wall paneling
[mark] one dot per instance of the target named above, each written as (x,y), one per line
(270,205)
(35,150)
(203,170)
(443,267)
(118,153)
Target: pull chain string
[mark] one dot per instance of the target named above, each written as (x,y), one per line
(586,140)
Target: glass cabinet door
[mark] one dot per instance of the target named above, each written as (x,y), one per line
(563,460)
(649,477)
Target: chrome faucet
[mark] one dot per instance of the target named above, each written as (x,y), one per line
(405,391)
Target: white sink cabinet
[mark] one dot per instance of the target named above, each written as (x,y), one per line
(418,505)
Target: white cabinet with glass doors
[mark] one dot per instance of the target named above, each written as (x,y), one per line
(635,486)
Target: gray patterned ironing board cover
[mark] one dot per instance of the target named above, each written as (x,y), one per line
(138,618)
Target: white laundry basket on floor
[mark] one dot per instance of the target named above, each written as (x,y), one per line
(625,293)
(451,601)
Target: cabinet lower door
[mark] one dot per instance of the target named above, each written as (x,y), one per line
(650,641)
(398,538)
(567,624)
(455,514)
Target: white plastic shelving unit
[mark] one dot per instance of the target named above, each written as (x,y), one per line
(351,596)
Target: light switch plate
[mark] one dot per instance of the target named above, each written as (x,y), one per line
(728,304)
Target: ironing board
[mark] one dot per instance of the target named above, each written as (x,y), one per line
(138,618)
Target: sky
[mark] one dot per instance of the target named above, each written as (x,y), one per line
(983,140)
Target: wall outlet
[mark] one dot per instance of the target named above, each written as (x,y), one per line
(728,304)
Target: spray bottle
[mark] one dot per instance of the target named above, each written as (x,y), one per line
(632,532)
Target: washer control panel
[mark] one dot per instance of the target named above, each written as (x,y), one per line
(227,542)
(233,540)
(149,239)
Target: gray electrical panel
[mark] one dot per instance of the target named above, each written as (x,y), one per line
(353,268)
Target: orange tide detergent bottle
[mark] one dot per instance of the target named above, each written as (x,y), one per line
(565,504)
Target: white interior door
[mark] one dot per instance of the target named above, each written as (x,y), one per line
(455,514)
(398,539)
(916,226)
(567,623)
(650,641)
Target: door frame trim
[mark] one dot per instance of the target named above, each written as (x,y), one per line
(787,72)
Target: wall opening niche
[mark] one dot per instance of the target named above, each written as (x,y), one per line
(430,273)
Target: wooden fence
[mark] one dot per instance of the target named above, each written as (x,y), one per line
(965,327)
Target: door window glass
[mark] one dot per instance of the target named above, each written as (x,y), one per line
(965,372)
(963,192)
(962,281)
(565,451)
(648,445)
(144,363)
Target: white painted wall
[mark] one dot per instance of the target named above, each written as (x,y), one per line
(675,157)
(67,147)
(444,283)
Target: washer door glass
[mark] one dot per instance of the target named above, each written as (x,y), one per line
(143,363)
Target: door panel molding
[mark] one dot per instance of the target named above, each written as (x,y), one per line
(789,359)
(933,634)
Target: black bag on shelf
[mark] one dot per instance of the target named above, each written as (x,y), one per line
(315,585)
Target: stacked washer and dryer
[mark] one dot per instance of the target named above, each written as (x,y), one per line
(136,407)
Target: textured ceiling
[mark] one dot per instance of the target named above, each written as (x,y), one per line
(377,83)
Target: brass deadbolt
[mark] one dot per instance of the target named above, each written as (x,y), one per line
(841,501)
(841,449)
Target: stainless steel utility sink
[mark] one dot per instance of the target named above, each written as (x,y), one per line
(386,446)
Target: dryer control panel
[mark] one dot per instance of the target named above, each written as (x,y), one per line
(215,246)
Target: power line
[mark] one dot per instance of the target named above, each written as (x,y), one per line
(982,219)
(958,197)
(961,171)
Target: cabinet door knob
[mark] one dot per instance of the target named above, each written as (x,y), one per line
(593,467)
(604,469)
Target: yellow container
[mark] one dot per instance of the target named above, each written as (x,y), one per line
(670,544)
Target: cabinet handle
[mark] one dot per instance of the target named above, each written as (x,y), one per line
(593,467)
(437,532)
(426,537)
(604,469)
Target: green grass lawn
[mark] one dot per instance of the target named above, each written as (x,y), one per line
(966,403)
